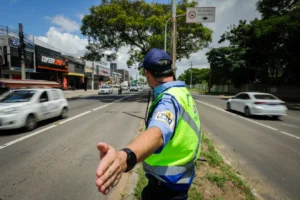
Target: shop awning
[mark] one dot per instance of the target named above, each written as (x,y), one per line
(74,74)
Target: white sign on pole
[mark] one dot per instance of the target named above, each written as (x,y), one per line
(200,14)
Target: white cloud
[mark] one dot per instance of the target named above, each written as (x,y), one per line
(80,16)
(68,43)
(64,23)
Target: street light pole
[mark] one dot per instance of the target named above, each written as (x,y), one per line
(165,39)
(174,36)
(191,81)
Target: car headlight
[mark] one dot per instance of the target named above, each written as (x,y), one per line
(10,111)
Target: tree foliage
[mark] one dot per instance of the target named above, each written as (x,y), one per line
(198,76)
(262,51)
(140,26)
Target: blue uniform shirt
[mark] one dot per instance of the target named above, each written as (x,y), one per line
(164,117)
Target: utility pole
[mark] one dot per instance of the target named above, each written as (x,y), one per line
(191,81)
(93,69)
(174,36)
(21,51)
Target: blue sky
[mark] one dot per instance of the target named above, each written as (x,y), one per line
(33,13)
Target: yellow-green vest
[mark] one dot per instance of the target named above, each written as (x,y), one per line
(181,152)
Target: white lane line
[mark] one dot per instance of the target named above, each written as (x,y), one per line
(70,119)
(25,137)
(269,127)
(55,125)
(290,135)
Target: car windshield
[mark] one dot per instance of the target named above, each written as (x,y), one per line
(104,87)
(264,96)
(18,96)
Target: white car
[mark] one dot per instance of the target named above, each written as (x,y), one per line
(255,103)
(105,90)
(134,88)
(26,107)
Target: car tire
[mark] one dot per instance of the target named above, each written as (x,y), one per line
(31,123)
(64,113)
(248,112)
(228,106)
(276,117)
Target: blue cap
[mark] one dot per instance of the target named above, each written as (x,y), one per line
(157,60)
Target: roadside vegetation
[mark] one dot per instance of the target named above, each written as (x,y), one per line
(214,179)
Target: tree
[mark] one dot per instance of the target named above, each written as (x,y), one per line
(198,76)
(262,51)
(140,26)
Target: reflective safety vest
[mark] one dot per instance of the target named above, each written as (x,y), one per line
(176,162)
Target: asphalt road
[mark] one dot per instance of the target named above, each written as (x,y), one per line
(265,151)
(60,163)
(59,159)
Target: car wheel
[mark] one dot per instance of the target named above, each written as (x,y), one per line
(31,123)
(228,106)
(64,113)
(247,112)
(276,117)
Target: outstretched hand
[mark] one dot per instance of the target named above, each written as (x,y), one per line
(111,167)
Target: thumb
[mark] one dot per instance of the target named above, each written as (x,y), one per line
(103,148)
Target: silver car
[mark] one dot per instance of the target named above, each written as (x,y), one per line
(255,103)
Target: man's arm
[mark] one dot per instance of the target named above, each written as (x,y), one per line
(113,162)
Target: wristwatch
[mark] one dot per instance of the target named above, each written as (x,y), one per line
(131,159)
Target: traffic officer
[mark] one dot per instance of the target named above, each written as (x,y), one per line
(168,147)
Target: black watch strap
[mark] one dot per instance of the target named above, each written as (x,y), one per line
(131,159)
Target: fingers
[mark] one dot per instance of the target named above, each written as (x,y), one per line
(110,178)
(103,148)
(107,158)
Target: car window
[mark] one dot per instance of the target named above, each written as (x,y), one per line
(18,96)
(55,94)
(264,96)
(240,96)
(246,96)
(44,97)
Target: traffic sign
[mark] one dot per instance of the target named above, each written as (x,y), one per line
(200,14)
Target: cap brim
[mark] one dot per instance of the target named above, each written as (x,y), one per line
(141,65)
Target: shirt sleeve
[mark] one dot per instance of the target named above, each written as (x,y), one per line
(164,117)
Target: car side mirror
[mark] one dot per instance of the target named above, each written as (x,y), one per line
(43,100)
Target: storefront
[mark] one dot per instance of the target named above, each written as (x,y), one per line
(75,76)
(103,73)
(11,67)
(51,65)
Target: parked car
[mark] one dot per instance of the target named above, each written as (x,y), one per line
(26,107)
(105,90)
(255,103)
(134,88)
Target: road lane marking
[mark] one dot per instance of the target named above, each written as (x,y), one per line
(60,123)
(266,126)
(27,136)
(290,135)
(70,119)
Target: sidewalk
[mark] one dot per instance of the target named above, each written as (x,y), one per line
(70,94)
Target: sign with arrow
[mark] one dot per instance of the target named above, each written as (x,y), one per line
(200,14)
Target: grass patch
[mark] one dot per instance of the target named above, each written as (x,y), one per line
(141,183)
(212,156)
(218,179)
(196,90)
